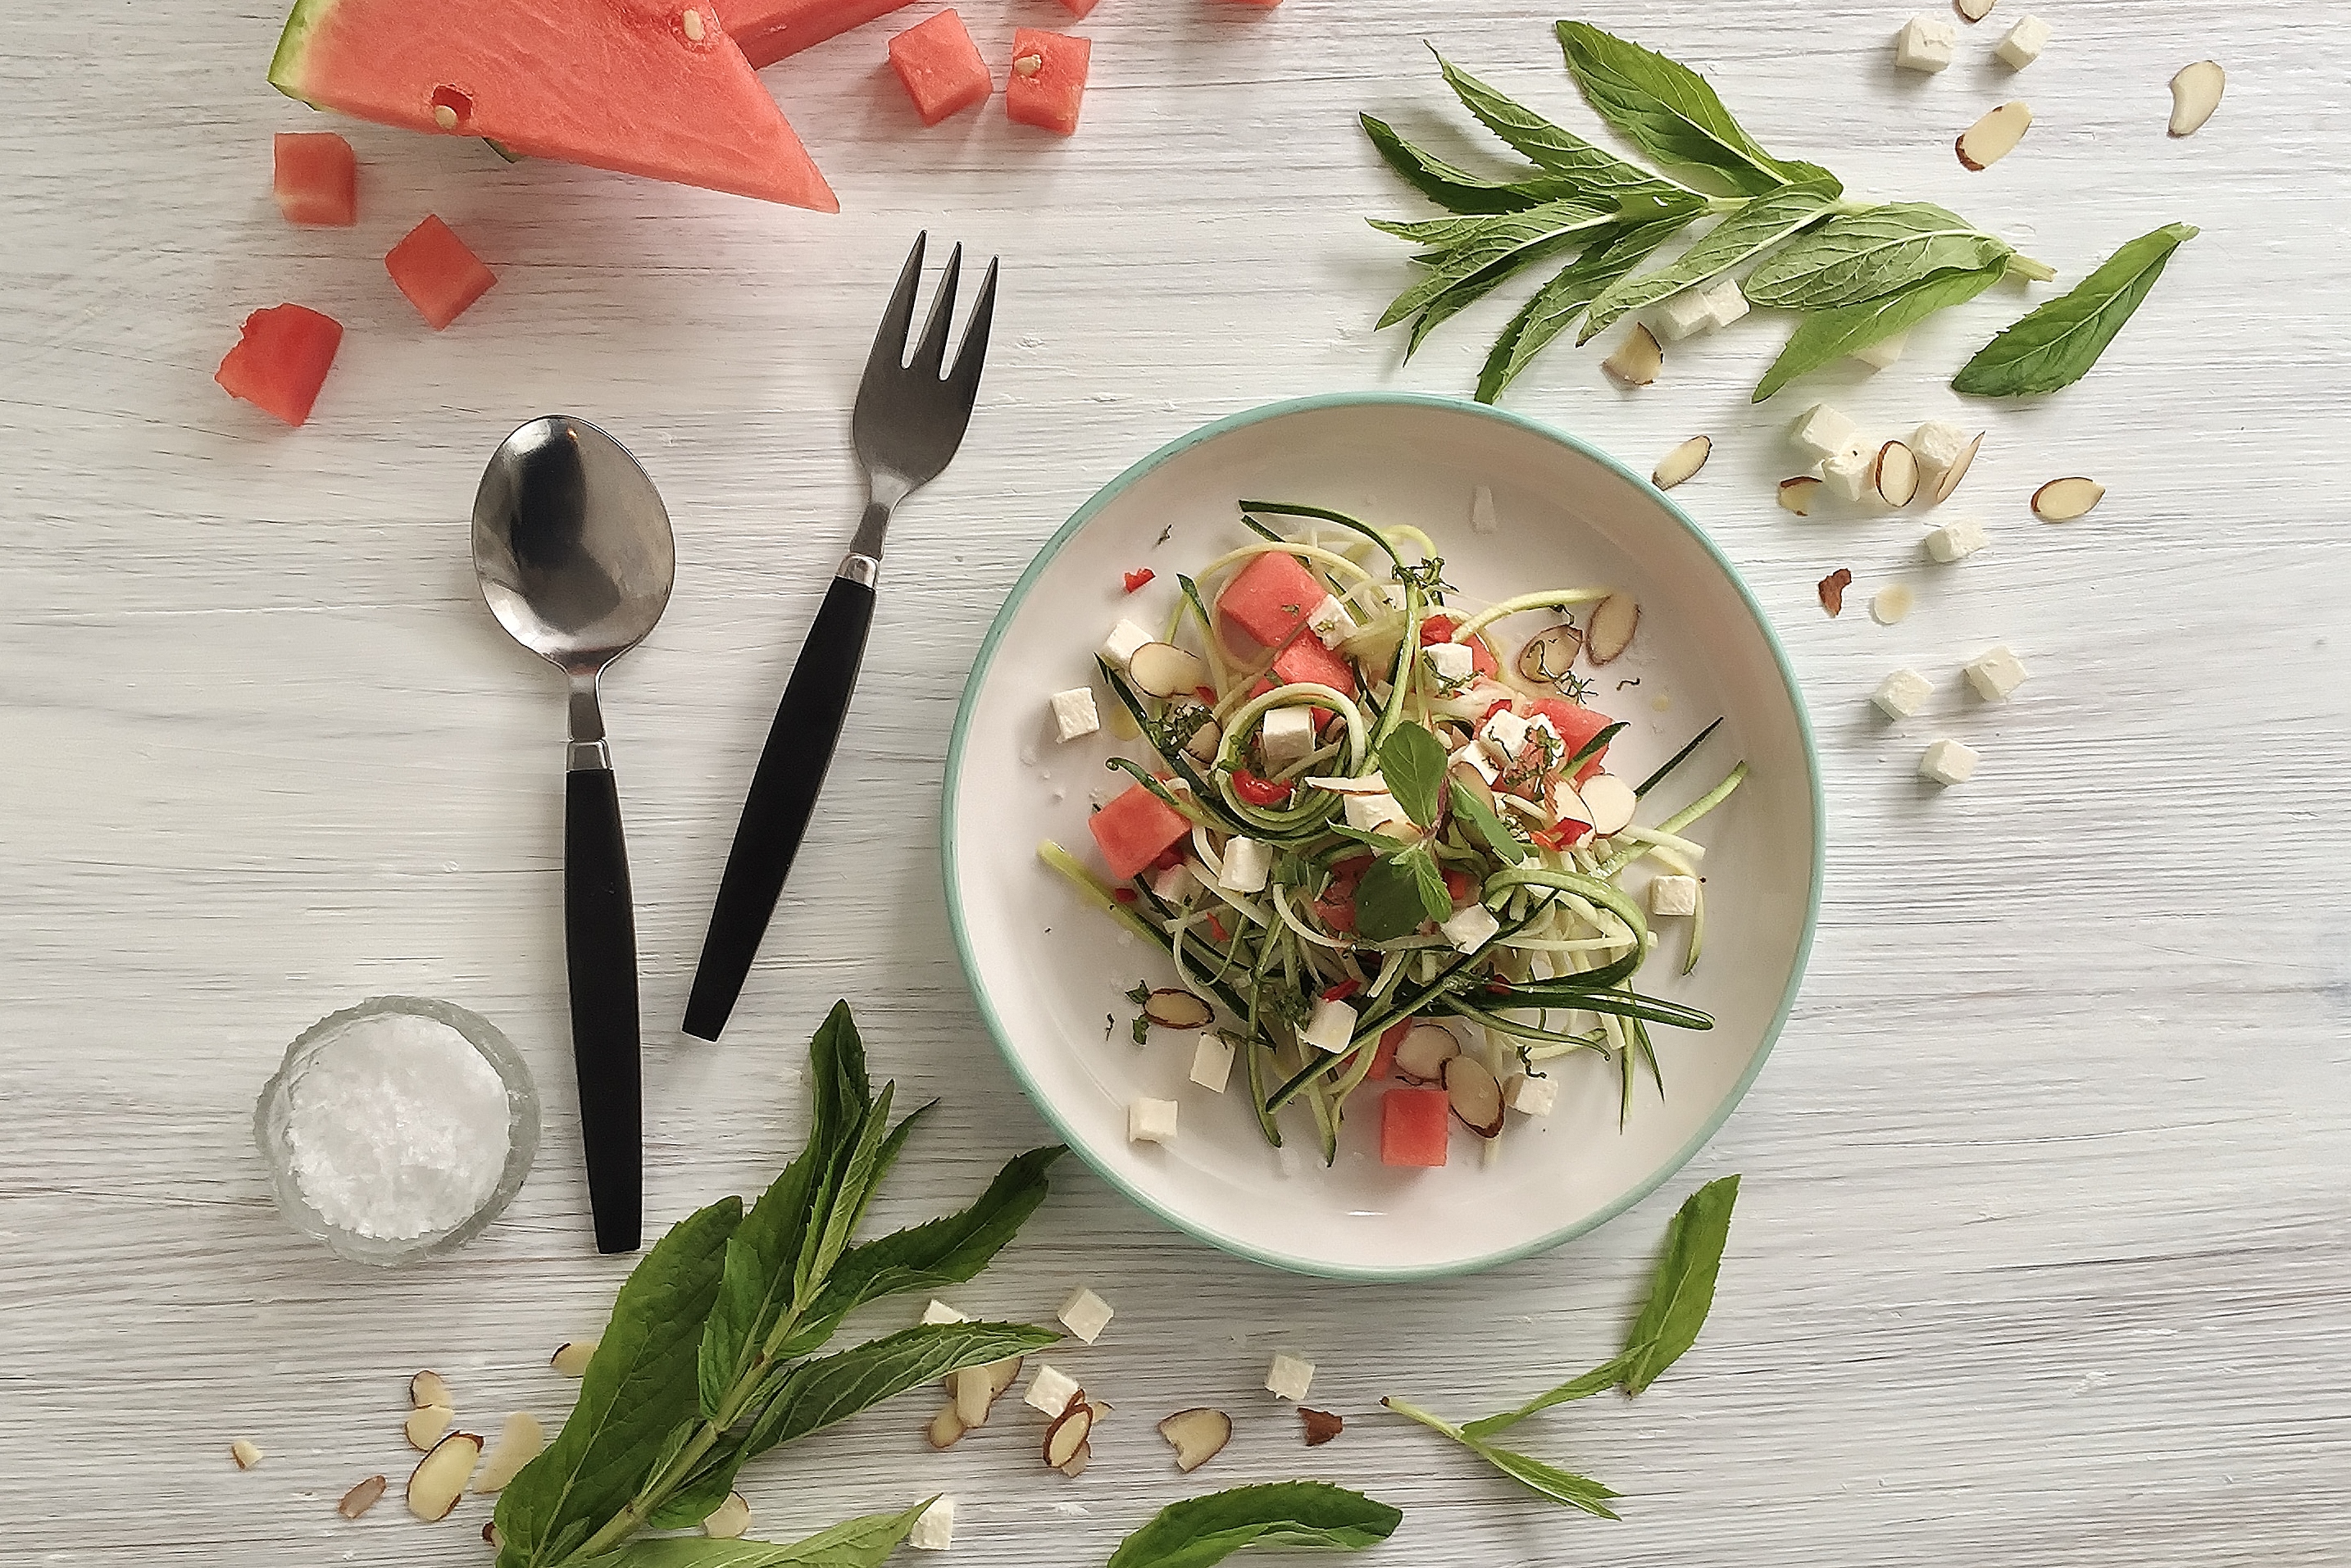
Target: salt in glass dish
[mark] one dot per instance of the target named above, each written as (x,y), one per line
(273,1115)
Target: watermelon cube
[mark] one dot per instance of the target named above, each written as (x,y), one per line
(317,178)
(1135,830)
(768,30)
(1047,80)
(1079,7)
(1306,659)
(1271,597)
(280,360)
(1416,1124)
(438,274)
(941,67)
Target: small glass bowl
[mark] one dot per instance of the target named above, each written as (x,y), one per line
(271,1114)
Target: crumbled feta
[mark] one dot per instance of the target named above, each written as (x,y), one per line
(1994,673)
(1531,1095)
(1212,1062)
(1723,300)
(1329,1027)
(1947,763)
(1370,813)
(1084,1314)
(1051,1390)
(1073,713)
(934,1529)
(1902,693)
(1503,734)
(1673,895)
(1470,927)
(1937,444)
(1481,514)
(1248,862)
(938,1313)
(1149,1122)
(1678,315)
(1330,622)
(1124,640)
(1852,471)
(1450,661)
(1924,45)
(1286,735)
(1474,755)
(1884,351)
(2023,44)
(1821,432)
(1174,883)
(1956,539)
(1290,1377)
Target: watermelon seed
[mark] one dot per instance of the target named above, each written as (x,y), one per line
(444,117)
(451,107)
(1028,64)
(692,22)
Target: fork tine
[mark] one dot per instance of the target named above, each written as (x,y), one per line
(890,338)
(933,350)
(973,353)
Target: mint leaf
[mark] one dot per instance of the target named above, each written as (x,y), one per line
(1508,242)
(1391,900)
(1594,173)
(1863,256)
(1683,1292)
(856,1543)
(1748,232)
(1667,110)
(756,1284)
(1202,1531)
(1413,761)
(1436,903)
(817,1393)
(1550,1480)
(1458,190)
(1830,335)
(1558,303)
(1487,825)
(838,1080)
(2056,344)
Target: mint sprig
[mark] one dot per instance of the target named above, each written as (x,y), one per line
(1202,1531)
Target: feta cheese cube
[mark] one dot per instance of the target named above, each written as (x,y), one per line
(1286,735)
(1474,755)
(1994,673)
(1947,763)
(1956,539)
(1821,432)
(1851,474)
(1174,883)
(1330,622)
(1124,640)
(1149,1122)
(1937,444)
(1329,1027)
(1212,1062)
(1084,1314)
(1481,513)
(1290,1377)
(934,1529)
(1073,713)
(2023,44)
(1370,813)
(1470,927)
(1452,663)
(1902,693)
(1248,862)
(1051,1390)
(1924,45)
(1673,895)
(1678,316)
(1502,734)
(938,1313)
(1884,351)
(1531,1095)
(1723,300)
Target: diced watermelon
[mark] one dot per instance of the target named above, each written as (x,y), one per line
(317,179)
(1079,7)
(438,274)
(1306,659)
(768,30)
(280,360)
(941,67)
(1271,597)
(1576,725)
(1416,1124)
(1134,830)
(1047,80)
(645,87)
(1383,1054)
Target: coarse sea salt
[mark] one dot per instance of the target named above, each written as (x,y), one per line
(398,1127)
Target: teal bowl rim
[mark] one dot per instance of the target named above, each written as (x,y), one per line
(987,657)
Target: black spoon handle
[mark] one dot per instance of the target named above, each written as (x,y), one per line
(600,950)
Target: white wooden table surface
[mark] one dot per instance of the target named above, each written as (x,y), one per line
(2043,1255)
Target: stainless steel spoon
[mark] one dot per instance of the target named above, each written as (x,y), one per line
(575,556)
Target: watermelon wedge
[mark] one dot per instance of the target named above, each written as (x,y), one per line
(644,86)
(768,30)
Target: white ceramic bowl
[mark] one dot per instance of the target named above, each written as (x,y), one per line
(1049,971)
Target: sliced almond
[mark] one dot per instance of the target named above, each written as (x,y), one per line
(1637,359)
(439,1478)
(360,1498)
(1570,810)
(1611,633)
(1001,1375)
(1077,1462)
(1681,462)
(520,1441)
(1201,746)
(571,1359)
(490,1533)
(1550,654)
(2195,94)
(1891,603)
(1166,671)
(1476,1094)
(1372,784)
(1421,1055)
(1895,474)
(1949,479)
(729,1520)
(1995,136)
(972,1399)
(1322,1426)
(246,1455)
(1470,779)
(425,1425)
(2063,500)
(429,1389)
(1796,495)
(1068,1433)
(947,1428)
(1973,10)
(1832,589)
(1172,1008)
(1610,801)
(1196,1435)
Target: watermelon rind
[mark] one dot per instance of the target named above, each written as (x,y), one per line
(285,65)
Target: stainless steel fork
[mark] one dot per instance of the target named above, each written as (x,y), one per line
(909,419)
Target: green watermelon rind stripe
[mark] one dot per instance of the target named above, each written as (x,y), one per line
(293,44)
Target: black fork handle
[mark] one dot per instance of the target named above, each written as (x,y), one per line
(783,795)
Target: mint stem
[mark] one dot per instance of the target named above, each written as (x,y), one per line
(2023,265)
